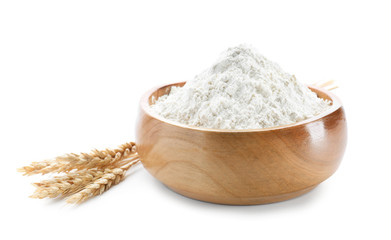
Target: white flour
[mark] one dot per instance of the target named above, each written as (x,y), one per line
(242,90)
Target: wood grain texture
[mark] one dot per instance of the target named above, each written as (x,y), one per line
(241,167)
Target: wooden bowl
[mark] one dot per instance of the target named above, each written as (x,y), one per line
(241,167)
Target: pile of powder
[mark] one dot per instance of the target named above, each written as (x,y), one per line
(242,90)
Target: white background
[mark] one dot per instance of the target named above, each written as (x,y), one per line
(72,73)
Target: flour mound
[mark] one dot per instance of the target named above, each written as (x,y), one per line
(242,90)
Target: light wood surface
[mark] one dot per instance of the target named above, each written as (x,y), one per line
(241,167)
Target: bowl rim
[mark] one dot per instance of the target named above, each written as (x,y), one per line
(144,105)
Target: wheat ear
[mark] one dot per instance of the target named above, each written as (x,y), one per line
(85,175)
(96,159)
(102,184)
(65,185)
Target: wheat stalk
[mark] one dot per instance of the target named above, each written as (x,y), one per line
(102,184)
(328,85)
(96,159)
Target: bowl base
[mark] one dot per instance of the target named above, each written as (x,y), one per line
(243,201)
